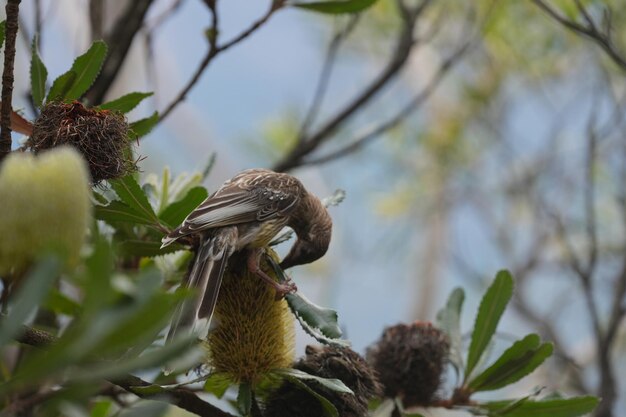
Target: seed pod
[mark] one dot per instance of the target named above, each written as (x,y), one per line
(255,333)
(101,136)
(327,362)
(45,205)
(410,361)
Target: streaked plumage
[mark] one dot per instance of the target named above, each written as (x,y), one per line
(245,214)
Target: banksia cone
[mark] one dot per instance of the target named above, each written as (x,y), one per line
(327,362)
(410,361)
(44,205)
(100,135)
(255,333)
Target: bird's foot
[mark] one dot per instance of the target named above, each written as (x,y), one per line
(285,288)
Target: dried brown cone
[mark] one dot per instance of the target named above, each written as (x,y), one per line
(410,361)
(327,362)
(101,136)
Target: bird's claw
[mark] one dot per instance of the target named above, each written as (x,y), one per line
(285,288)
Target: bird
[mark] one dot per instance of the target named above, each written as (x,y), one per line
(245,214)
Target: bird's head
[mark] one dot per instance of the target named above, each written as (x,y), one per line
(313,226)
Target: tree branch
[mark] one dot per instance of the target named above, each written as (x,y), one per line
(119,39)
(12,13)
(589,31)
(325,74)
(215,50)
(402,51)
(179,397)
(406,111)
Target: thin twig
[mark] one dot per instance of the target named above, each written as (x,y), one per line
(402,51)
(215,50)
(406,111)
(325,74)
(12,13)
(589,31)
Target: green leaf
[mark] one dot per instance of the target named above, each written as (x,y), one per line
(332,384)
(144,126)
(38,76)
(217,383)
(86,67)
(32,292)
(60,86)
(329,408)
(175,213)
(129,191)
(62,304)
(150,359)
(244,399)
(3,26)
(336,7)
(491,308)
(319,322)
(523,357)
(152,389)
(145,248)
(101,408)
(117,211)
(569,407)
(449,320)
(125,103)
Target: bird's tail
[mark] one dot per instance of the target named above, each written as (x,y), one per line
(205,278)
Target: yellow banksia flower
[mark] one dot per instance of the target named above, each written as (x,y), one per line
(255,333)
(45,205)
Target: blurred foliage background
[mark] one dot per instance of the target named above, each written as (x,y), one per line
(469,136)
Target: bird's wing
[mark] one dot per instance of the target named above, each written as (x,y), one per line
(240,202)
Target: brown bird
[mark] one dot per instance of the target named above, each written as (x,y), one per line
(244,215)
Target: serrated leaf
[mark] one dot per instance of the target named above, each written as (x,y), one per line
(244,399)
(38,76)
(319,322)
(217,384)
(175,213)
(490,311)
(144,126)
(449,320)
(146,248)
(129,191)
(118,211)
(335,199)
(336,7)
(569,407)
(3,26)
(329,408)
(125,103)
(332,384)
(60,86)
(33,290)
(86,67)
(523,357)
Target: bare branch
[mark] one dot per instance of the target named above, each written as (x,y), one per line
(406,111)
(12,13)
(325,74)
(590,31)
(214,50)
